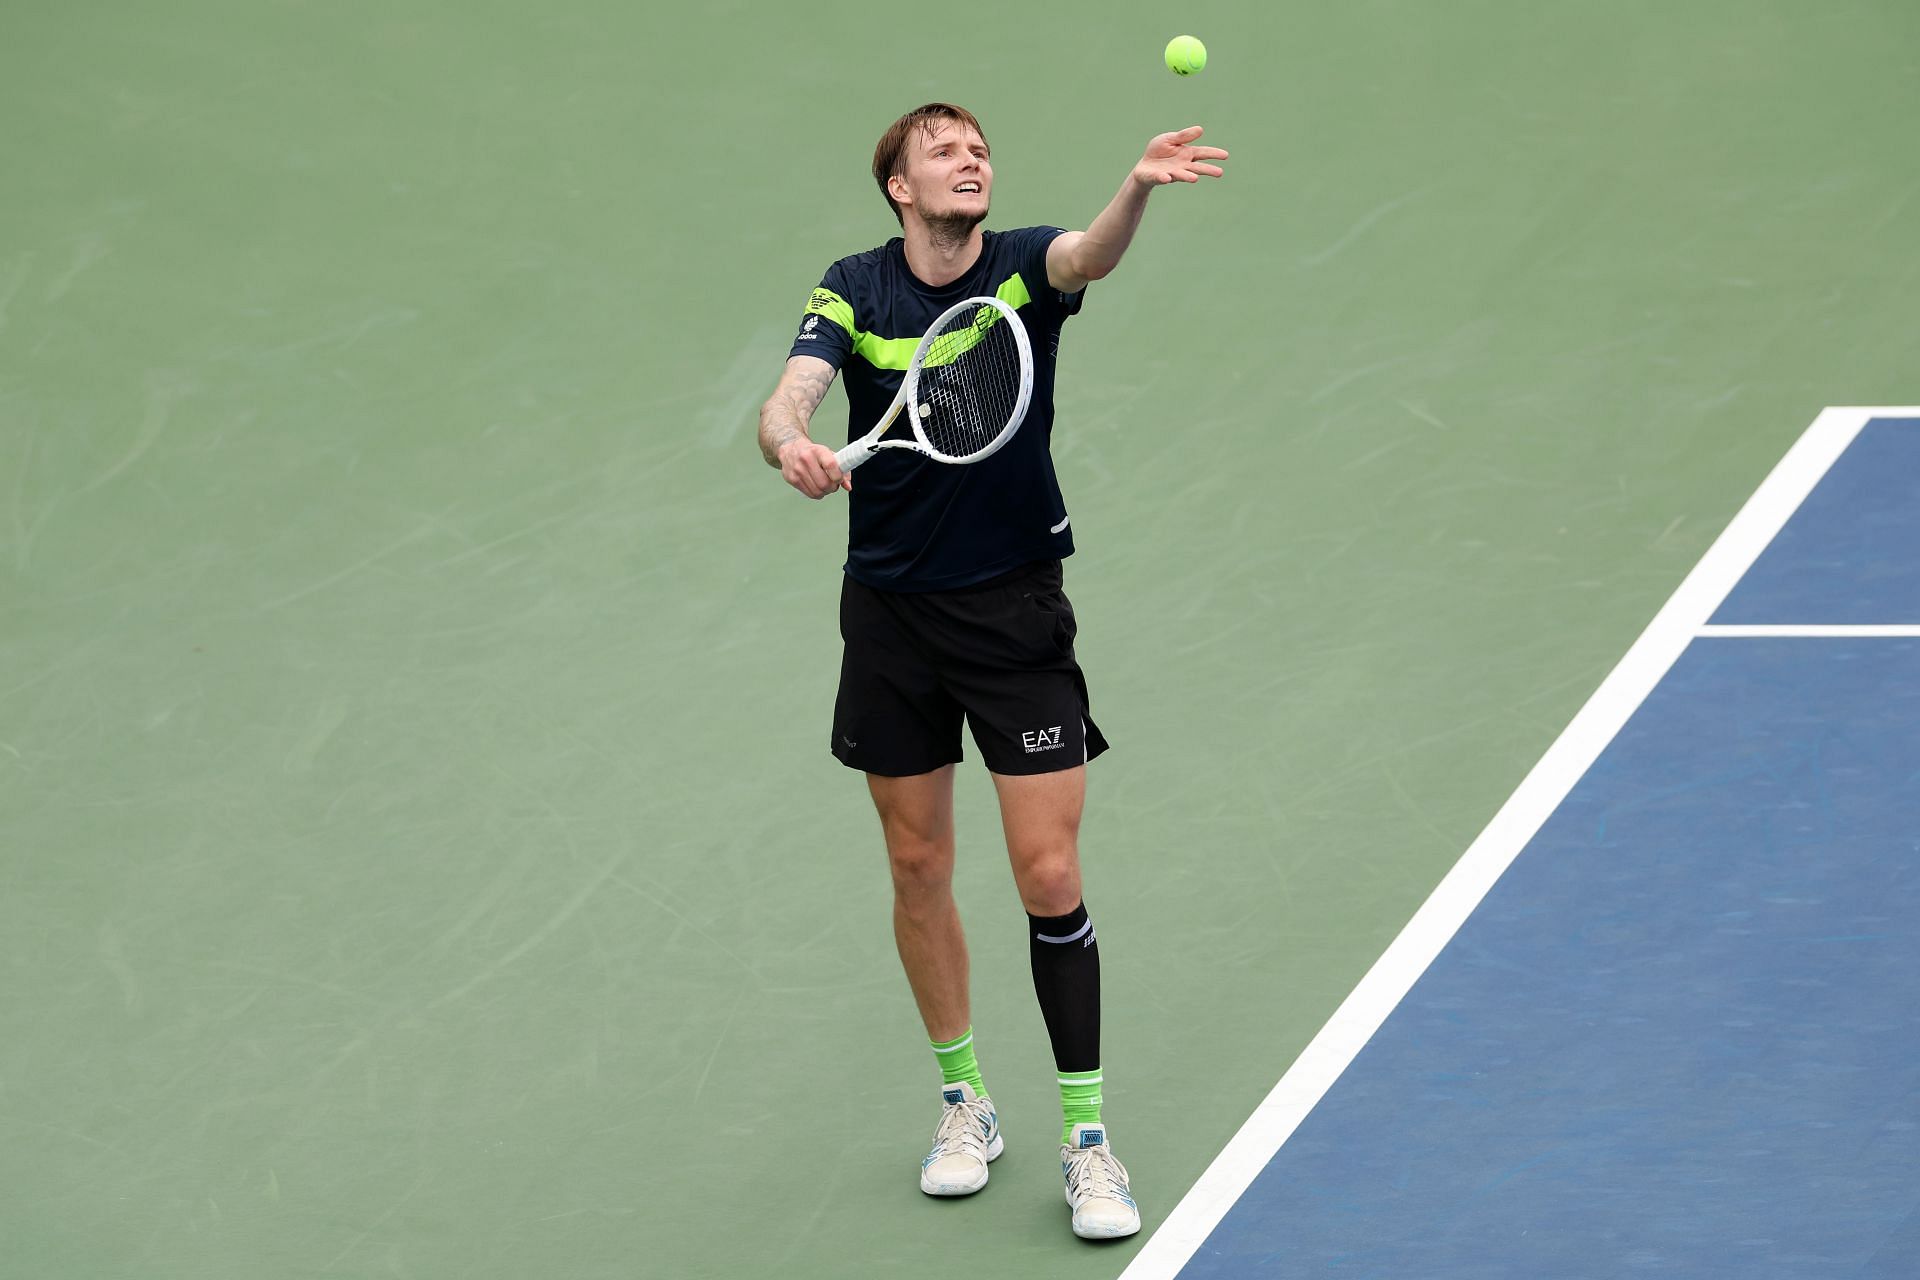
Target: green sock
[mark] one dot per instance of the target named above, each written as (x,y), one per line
(957,1062)
(1079,1100)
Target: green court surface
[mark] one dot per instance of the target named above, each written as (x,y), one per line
(419,854)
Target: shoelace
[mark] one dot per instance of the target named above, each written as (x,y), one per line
(964,1124)
(1095,1173)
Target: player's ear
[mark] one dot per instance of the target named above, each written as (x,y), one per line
(898,189)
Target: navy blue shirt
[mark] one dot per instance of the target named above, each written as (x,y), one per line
(915,524)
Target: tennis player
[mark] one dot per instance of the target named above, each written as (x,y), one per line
(951,609)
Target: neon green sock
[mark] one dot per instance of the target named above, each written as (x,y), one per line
(957,1062)
(1079,1099)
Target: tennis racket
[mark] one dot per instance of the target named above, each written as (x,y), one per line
(966,389)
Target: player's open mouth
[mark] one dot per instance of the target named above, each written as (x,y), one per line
(968,189)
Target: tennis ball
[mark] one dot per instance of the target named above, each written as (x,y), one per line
(1186,56)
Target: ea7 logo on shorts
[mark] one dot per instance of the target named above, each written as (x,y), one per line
(1041,739)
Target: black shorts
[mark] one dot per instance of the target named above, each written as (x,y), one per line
(999,653)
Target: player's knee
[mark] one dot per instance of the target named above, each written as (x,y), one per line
(919,866)
(1050,886)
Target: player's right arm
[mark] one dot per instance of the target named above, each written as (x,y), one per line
(811,468)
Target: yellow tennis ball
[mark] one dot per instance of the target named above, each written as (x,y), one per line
(1186,56)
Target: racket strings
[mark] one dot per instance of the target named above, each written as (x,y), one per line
(969,384)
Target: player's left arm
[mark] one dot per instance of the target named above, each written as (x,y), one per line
(1079,256)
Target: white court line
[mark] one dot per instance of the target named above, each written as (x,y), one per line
(1744,630)
(1487,858)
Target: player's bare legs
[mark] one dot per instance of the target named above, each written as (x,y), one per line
(916,817)
(1041,815)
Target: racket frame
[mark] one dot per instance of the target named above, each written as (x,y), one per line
(907,397)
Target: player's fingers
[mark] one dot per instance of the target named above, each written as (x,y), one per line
(806,478)
(830,470)
(1211,170)
(1189,133)
(1209,153)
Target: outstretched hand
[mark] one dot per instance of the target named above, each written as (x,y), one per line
(1172,157)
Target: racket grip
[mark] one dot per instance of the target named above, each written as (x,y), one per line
(854,454)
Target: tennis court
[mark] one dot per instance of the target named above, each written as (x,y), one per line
(1672,1037)
(419,854)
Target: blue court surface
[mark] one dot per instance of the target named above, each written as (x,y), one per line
(1680,1033)
(1851,553)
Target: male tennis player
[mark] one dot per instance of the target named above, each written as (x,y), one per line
(952,608)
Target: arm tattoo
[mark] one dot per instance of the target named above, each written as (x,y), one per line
(785,415)
(809,387)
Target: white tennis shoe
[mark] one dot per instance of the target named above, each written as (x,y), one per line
(966,1141)
(1103,1207)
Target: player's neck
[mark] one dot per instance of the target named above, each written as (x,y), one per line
(937,255)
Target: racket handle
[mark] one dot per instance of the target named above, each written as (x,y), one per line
(854,454)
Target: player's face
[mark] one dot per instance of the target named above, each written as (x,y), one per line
(949,176)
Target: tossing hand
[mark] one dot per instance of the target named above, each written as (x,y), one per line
(1172,157)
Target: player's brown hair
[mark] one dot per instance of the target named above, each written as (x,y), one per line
(892,148)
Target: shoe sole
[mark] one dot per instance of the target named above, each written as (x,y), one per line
(1103,1233)
(994,1149)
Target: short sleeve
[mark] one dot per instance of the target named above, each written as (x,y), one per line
(826,326)
(1033,270)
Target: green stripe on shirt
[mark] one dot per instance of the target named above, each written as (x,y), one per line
(825,302)
(897,353)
